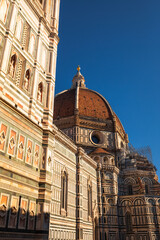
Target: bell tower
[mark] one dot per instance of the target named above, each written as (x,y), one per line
(28,57)
(28,54)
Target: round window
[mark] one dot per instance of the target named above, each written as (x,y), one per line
(97,137)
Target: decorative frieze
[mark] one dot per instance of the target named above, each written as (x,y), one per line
(19,146)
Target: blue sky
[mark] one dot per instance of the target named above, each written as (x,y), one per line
(117,45)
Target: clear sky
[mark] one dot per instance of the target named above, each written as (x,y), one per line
(117,45)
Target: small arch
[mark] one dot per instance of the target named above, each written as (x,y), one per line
(147,180)
(105,159)
(125,203)
(129,180)
(110,202)
(151,202)
(108,176)
(40,92)
(138,202)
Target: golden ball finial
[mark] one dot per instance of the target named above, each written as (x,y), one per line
(78,68)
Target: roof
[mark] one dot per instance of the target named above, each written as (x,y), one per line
(99,151)
(90,104)
(81,106)
(64,104)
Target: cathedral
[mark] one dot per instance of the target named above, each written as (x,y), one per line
(66,169)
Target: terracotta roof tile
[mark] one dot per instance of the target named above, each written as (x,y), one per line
(99,151)
(92,105)
(64,104)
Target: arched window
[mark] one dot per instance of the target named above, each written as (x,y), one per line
(130,190)
(122,145)
(27,79)
(19,28)
(4,5)
(13,65)
(31,43)
(89,201)
(146,188)
(64,193)
(40,92)
(128,218)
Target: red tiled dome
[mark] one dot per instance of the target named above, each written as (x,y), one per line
(72,106)
(64,104)
(90,104)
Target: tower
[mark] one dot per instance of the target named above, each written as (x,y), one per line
(28,52)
